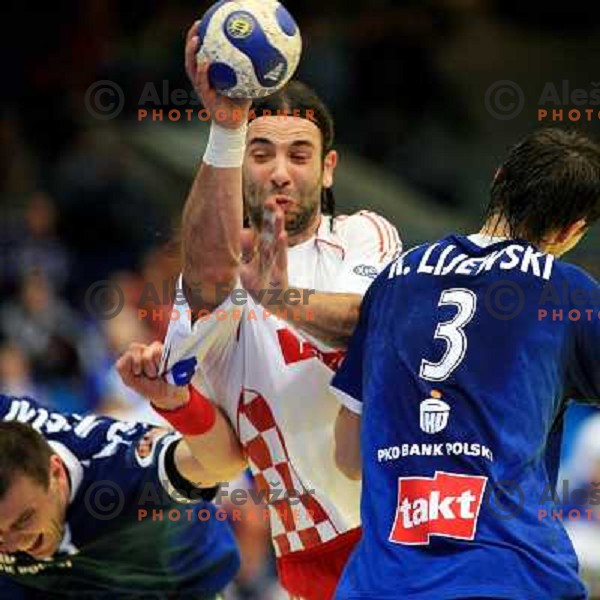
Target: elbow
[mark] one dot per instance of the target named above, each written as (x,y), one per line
(216,475)
(210,286)
(234,469)
(215,274)
(350,321)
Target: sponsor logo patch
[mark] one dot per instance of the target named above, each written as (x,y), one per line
(145,447)
(366,271)
(434,414)
(446,505)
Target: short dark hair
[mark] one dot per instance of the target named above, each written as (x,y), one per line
(549,180)
(23,451)
(297,96)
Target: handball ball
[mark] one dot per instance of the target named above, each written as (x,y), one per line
(253,47)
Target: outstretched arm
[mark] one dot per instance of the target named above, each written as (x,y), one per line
(205,459)
(328,316)
(212,216)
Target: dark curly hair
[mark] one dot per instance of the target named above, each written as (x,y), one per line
(549,180)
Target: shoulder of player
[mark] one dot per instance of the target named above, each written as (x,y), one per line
(575,275)
(368,226)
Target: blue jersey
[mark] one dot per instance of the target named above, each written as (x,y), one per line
(463,358)
(121,535)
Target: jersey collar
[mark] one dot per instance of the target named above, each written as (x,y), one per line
(73,466)
(483,241)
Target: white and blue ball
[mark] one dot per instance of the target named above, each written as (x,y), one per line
(253,47)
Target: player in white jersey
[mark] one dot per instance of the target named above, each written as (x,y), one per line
(267,358)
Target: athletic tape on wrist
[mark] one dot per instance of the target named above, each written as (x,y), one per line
(195,417)
(226,147)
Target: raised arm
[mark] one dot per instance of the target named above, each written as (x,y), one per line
(212,216)
(205,459)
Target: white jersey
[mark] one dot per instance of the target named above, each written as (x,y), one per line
(273,381)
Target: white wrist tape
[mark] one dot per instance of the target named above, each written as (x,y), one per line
(226,147)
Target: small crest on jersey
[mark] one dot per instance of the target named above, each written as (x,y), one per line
(240,25)
(434,413)
(145,447)
(366,271)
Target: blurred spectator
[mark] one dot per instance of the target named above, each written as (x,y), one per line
(160,270)
(43,326)
(40,249)
(15,374)
(582,473)
(17,164)
(125,328)
(29,242)
(49,334)
(106,215)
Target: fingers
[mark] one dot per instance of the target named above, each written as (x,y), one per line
(207,93)
(124,368)
(248,245)
(155,354)
(192,44)
(273,222)
(191,48)
(272,238)
(281,262)
(279,223)
(192,31)
(140,360)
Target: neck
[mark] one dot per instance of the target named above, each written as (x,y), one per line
(306,234)
(65,487)
(495,227)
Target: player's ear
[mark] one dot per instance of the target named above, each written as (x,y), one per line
(329,165)
(573,231)
(567,238)
(56,467)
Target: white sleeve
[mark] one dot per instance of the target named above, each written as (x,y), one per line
(371,243)
(203,353)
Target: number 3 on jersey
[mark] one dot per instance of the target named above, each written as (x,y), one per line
(452,332)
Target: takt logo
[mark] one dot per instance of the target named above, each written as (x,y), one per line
(447,505)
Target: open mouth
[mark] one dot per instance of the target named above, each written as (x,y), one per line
(283,201)
(37,544)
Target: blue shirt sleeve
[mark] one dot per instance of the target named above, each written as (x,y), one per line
(584,364)
(347,382)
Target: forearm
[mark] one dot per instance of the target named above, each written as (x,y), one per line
(211,458)
(347,443)
(210,452)
(212,220)
(329,317)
